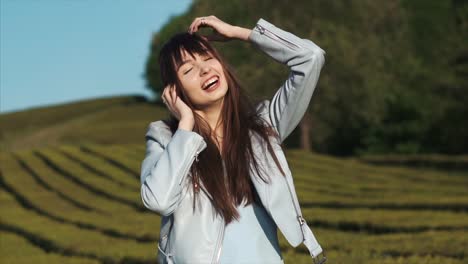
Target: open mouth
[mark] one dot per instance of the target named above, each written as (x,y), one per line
(212,84)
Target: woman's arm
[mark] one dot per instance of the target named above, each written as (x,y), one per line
(305,60)
(164,168)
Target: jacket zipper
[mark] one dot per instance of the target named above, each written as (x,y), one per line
(302,221)
(202,187)
(219,244)
(276,37)
(194,157)
(300,218)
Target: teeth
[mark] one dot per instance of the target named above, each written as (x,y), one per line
(210,81)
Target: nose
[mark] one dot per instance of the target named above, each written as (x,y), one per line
(205,68)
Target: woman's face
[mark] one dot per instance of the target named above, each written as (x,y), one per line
(196,75)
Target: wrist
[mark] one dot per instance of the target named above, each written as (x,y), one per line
(242,33)
(186,124)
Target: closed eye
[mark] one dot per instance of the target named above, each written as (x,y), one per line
(188,70)
(209,58)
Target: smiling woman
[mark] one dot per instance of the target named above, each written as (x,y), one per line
(215,169)
(202,73)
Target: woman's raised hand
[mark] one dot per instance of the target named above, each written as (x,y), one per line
(222,31)
(178,108)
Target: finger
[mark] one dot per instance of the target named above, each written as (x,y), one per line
(190,28)
(200,22)
(163,94)
(168,101)
(205,22)
(194,21)
(167,96)
(174,95)
(173,99)
(171,95)
(197,22)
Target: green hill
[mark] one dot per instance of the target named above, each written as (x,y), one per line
(115,120)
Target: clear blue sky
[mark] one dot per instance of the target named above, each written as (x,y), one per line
(60,51)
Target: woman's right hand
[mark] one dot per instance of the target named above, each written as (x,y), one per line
(178,108)
(222,31)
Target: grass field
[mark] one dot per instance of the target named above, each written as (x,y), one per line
(81,204)
(87,121)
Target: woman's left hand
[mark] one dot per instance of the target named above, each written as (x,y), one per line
(222,31)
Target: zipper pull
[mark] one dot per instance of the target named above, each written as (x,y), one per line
(301,219)
(261,29)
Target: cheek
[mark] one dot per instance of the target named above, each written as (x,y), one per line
(192,94)
(191,89)
(190,84)
(185,82)
(218,66)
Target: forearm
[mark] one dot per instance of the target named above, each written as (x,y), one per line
(242,33)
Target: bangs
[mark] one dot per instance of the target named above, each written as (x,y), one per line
(171,54)
(192,45)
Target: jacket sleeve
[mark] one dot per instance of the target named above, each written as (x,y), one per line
(164,168)
(305,60)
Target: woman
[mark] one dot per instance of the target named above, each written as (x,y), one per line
(215,170)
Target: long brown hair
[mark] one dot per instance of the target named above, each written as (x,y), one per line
(239,116)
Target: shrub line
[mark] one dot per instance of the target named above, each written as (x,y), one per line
(96,171)
(28,205)
(50,246)
(111,161)
(434,207)
(71,177)
(46,186)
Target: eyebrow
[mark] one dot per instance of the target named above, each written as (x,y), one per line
(186,61)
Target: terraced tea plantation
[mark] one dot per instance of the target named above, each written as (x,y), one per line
(81,204)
